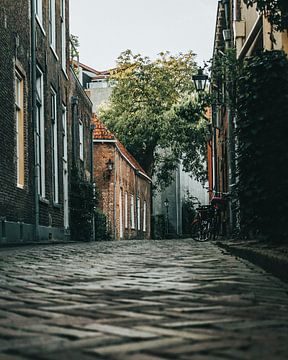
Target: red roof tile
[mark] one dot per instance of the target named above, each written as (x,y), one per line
(102,133)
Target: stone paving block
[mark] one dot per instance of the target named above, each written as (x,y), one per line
(62,331)
(150,300)
(177,333)
(137,346)
(121,331)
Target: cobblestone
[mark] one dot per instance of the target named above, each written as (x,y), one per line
(139,300)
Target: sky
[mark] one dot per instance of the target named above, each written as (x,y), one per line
(107,27)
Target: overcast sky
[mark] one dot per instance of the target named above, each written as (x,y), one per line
(107,27)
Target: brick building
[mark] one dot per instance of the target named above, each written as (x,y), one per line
(124,187)
(36,120)
(248,32)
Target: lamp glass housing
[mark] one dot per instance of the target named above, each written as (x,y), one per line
(200,80)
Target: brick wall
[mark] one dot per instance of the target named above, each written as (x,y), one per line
(80,112)
(123,179)
(16,204)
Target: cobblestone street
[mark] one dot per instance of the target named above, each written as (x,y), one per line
(139,300)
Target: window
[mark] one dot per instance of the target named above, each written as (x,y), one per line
(144,215)
(38,9)
(19,108)
(126,210)
(132,215)
(138,214)
(81,139)
(52,30)
(54,146)
(65,167)
(63,35)
(64,129)
(40,134)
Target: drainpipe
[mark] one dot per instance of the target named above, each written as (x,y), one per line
(34,118)
(92,127)
(74,104)
(115,196)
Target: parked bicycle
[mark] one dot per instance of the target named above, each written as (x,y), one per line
(208,221)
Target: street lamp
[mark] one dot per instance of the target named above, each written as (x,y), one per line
(166,204)
(110,165)
(200,80)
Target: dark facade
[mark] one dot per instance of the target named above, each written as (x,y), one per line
(37,91)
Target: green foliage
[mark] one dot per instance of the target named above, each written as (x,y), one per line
(224,72)
(188,212)
(150,111)
(159,227)
(82,204)
(101,228)
(262,151)
(275,10)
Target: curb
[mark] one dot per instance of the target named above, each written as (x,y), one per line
(10,245)
(268,260)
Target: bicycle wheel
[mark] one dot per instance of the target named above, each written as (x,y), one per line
(203,232)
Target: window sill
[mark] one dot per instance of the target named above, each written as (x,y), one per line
(57,205)
(40,25)
(20,186)
(44,200)
(54,52)
(65,73)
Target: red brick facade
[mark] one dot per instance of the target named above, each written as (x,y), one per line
(125,192)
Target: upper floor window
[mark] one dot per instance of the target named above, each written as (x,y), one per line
(54,146)
(63,35)
(19,109)
(81,140)
(39,9)
(40,133)
(52,23)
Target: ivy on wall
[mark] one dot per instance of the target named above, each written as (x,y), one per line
(83,210)
(262,128)
(82,204)
(275,10)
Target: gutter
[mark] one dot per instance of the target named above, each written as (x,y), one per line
(34,117)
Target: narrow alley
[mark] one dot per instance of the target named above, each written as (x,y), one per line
(139,300)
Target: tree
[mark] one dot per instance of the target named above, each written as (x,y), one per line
(152,112)
(275,10)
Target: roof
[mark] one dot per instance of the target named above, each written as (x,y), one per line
(88,68)
(101,133)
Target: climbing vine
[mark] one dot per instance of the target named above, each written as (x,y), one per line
(276,11)
(262,126)
(82,204)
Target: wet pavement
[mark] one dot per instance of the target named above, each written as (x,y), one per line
(139,300)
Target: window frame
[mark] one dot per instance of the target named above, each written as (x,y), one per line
(20,129)
(126,209)
(63,35)
(54,146)
(40,133)
(132,212)
(52,24)
(138,211)
(81,140)
(144,215)
(39,10)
